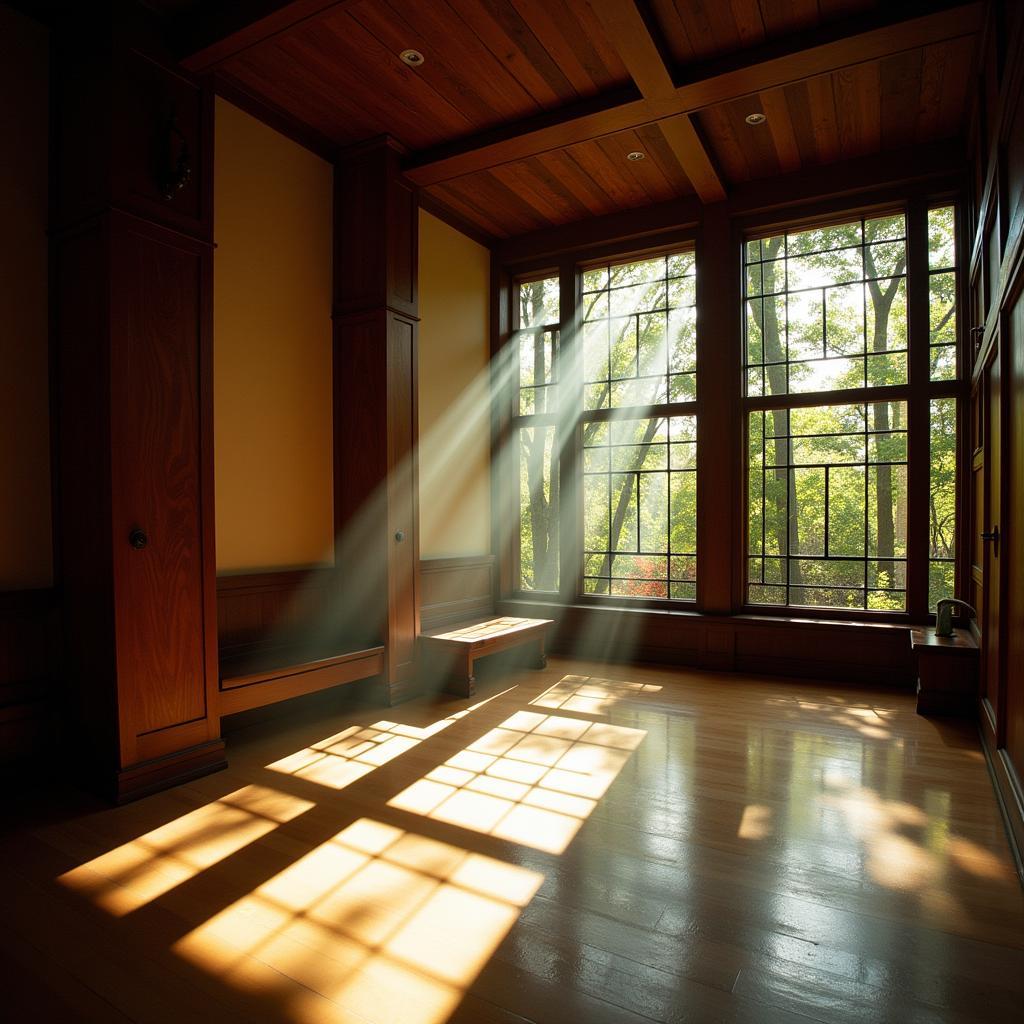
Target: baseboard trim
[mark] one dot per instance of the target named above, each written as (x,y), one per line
(164,772)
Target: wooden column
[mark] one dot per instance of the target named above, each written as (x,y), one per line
(376,323)
(132,265)
(720,427)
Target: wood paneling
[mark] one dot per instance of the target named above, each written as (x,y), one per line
(340,72)
(817,649)
(996,275)
(134,408)
(29,666)
(700,29)
(375,411)
(455,589)
(523,111)
(585,180)
(918,96)
(257,611)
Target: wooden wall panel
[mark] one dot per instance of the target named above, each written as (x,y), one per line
(996,274)
(1013,708)
(272,609)
(29,666)
(853,652)
(455,589)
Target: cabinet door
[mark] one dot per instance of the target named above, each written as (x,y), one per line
(157,489)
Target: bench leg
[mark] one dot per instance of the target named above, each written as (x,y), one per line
(542,658)
(462,681)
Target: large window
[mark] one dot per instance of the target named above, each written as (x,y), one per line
(611,405)
(842,414)
(828,504)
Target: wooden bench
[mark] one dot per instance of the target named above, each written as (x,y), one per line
(450,651)
(256,679)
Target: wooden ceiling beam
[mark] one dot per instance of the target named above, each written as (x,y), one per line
(793,59)
(636,44)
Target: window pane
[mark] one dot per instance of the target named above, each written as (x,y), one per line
(639,507)
(942,307)
(639,333)
(538,364)
(942,500)
(827,506)
(538,509)
(538,303)
(827,308)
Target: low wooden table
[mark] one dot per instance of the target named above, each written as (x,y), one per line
(947,672)
(452,650)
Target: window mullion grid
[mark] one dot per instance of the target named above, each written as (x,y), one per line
(918,411)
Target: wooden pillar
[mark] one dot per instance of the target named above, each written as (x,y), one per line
(720,427)
(132,273)
(376,323)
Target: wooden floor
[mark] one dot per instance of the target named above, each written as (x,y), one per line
(661,845)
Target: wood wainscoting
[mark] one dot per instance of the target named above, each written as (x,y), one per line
(29,658)
(455,589)
(268,651)
(855,652)
(258,611)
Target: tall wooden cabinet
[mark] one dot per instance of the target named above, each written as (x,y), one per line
(376,321)
(132,277)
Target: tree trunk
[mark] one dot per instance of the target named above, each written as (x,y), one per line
(885,531)
(784,497)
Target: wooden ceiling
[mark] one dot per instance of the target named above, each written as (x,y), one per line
(524,111)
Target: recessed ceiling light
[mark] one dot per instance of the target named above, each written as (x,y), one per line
(756,118)
(412,57)
(635,155)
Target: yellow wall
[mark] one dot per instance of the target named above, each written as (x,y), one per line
(272,348)
(454,396)
(26,545)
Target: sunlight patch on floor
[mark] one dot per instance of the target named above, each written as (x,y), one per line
(388,924)
(590,695)
(756,822)
(345,757)
(533,780)
(908,848)
(139,871)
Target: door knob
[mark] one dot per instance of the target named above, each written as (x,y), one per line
(138,539)
(399,535)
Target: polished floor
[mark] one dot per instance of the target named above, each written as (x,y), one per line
(587,843)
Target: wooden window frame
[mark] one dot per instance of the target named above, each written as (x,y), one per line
(721,425)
